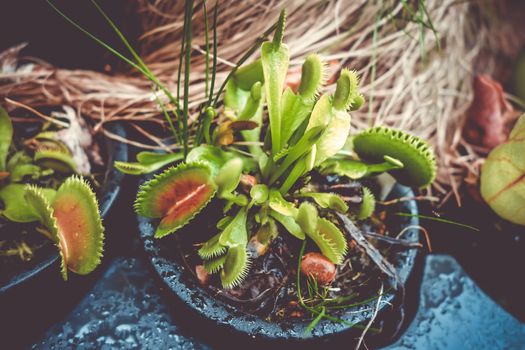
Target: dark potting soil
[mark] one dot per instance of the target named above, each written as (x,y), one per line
(270,289)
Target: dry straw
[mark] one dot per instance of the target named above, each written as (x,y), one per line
(409,82)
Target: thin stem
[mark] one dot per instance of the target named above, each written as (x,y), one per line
(207,44)
(131,49)
(374,69)
(214,67)
(140,62)
(202,121)
(100,42)
(187,68)
(122,37)
(445,221)
(168,118)
(182,48)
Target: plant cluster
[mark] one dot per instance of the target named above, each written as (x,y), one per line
(37,185)
(256,153)
(264,186)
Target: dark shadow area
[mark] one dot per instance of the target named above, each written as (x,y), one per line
(56,41)
(493,257)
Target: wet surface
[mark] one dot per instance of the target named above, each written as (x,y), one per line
(455,314)
(123,311)
(127,310)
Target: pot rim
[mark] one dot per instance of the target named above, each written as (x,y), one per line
(116,151)
(200,300)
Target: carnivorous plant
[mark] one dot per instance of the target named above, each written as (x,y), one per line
(307,131)
(38,183)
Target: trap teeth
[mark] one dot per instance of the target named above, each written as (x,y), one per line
(418,158)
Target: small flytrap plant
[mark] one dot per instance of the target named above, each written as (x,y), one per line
(503,177)
(263,165)
(39,184)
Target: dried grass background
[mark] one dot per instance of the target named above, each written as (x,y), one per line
(409,84)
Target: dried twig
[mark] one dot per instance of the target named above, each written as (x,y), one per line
(392,240)
(34,111)
(417,227)
(374,254)
(372,319)
(406,199)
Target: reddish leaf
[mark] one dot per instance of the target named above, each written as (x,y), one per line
(489,116)
(176,196)
(79,226)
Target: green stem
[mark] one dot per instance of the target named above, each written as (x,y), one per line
(182,48)
(445,221)
(207,44)
(131,49)
(187,67)
(374,68)
(214,66)
(176,134)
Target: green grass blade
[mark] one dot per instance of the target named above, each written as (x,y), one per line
(182,48)
(214,64)
(187,68)
(445,221)
(122,37)
(96,39)
(175,132)
(140,65)
(207,44)
(133,51)
(315,321)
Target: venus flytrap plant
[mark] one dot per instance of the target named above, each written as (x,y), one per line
(176,196)
(73,221)
(41,157)
(367,207)
(305,132)
(68,215)
(305,135)
(16,208)
(503,177)
(313,76)
(331,121)
(355,169)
